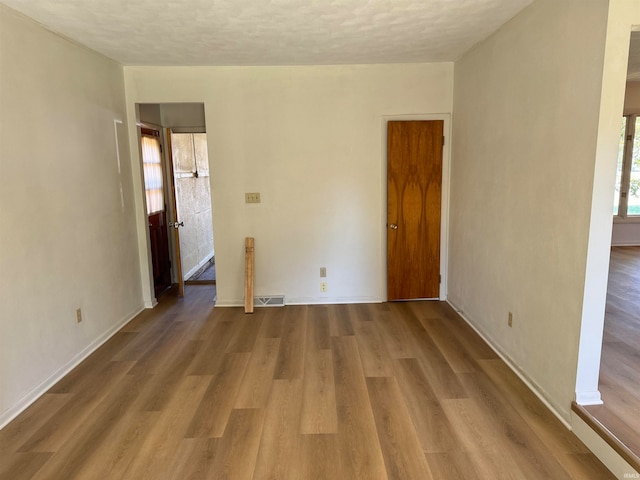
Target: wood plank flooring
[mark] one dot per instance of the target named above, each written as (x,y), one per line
(620,364)
(380,391)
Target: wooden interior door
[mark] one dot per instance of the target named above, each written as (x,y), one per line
(414,191)
(159,252)
(154,190)
(177,223)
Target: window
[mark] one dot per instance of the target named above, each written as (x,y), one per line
(152,166)
(627,194)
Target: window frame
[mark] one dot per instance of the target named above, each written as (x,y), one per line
(627,165)
(154,134)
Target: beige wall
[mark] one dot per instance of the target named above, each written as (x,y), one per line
(311,141)
(525,125)
(183,117)
(632,98)
(68,236)
(150,113)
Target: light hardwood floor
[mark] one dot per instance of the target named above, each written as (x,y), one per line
(380,391)
(620,365)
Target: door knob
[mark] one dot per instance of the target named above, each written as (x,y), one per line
(176,224)
(393,226)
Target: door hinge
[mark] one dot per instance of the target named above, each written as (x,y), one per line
(160,148)
(443,140)
(439,278)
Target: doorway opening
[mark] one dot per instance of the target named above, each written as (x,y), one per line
(193,206)
(619,382)
(614,418)
(186,193)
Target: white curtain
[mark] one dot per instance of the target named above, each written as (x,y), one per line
(152,174)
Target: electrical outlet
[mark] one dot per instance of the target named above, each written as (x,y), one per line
(253,197)
(323,286)
(510,321)
(323,272)
(78,315)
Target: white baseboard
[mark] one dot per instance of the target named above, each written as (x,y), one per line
(589,398)
(8,415)
(306,301)
(601,449)
(329,300)
(533,386)
(229,303)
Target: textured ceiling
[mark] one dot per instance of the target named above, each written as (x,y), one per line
(273,32)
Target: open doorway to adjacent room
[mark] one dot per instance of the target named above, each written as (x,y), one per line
(193,206)
(619,381)
(186,189)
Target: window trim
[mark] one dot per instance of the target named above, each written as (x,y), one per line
(625,180)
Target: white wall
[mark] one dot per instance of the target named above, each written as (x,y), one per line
(627,231)
(525,123)
(68,235)
(310,140)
